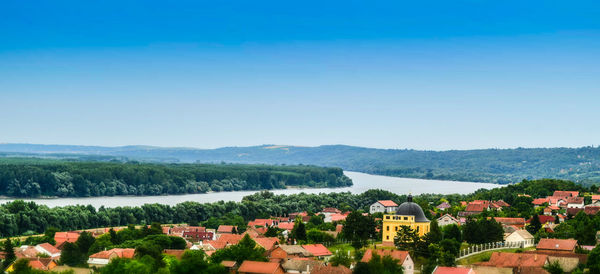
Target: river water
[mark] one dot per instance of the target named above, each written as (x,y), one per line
(362,183)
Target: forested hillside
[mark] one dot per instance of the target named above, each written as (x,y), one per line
(31,177)
(581,165)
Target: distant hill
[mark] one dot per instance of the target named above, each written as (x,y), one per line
(581,165)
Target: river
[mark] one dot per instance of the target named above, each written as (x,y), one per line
(362,183)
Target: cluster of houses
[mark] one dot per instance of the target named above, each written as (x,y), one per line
(546,252)
(284,257)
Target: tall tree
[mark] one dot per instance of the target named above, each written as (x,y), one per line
(406,238)
(10,256)
(534,225)
(358,228)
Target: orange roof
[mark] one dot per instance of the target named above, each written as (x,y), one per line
(575,200)
(317,250)
(475,207)
(540,201)
(266,243)
(228,264)
(502,259)
(396,254)
(225,228)
(41,263)
(560,193)
(259,267)
(387,203)
(338,217)
(70,237)
(331,210)
(50,248)
(286,226)
(261,222)
(557,244)
(452,270)
(120,252)
(595,197)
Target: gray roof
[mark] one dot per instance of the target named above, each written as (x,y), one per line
(295,249)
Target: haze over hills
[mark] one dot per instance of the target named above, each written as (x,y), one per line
(581,165)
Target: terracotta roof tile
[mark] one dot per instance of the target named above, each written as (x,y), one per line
(387,203)
(317,250)
(396,254)
(557,244)
(258,267)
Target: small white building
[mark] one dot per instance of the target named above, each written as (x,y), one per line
(447,219)
(48,249)
(521,236)
(384,206)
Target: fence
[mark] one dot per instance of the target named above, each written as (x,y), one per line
(475,249)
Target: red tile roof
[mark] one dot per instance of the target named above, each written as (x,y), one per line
(177,253)
(557,244)
(225,228)
(267,243)
(338,217)
(286,226)
(544,219)
(560,193)
(317,250)
(120,252)
(396,254)
(387,203)
(591,210)
(510,221)
(452,270)
(228,264)
(70,237)
(540,201)
(331,210)
(259,267)
(595,197)
(502,259)
(475,207)
(575,200)
(50,248)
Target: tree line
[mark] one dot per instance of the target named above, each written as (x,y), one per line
(30,177)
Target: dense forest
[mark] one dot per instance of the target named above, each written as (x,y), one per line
(19,217)
(31,177)
(581,165)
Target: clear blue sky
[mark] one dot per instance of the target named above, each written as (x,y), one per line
(389,74)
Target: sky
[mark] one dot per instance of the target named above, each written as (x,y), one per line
(432,75)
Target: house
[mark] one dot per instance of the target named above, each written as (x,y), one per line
(561,193)
(402,256)
(573,211)
(43,264)
(452,270)
(518,262)
(102,258)
(301,266)
(286,226)
(384,206)
(540,201)
(595,198)
(284,252)
(226,229)
(329,269)
(447,219)
(336,218)
(443,206)
(559,202)
(252,267)
(518,222)
(591,210)
(575,202)
(544,219)
(196,236)
(557,245)
(231,266)
(62,237)
(520,236)
(473,208)
(318,250)
(268,243)
(499,205)
(263,223)
(48,249)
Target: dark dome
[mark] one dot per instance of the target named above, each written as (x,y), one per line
(412,209)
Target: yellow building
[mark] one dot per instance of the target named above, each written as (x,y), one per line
(408,214)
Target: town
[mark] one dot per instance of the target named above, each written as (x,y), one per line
(553,233)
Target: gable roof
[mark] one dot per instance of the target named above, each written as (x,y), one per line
(317,250)
(510,221)
(225,228)
(177,253)
(443,205)
(523,233)
(562,193)
(295,249)
(120,252)
(449,216)
(452,270)
(286,226)
(475,207)
(540,201)
(300,264)
(258,267)
(575,200)
(503,259)
(544,219)
(387,203)
(48,247)
(396,254)
(557,244)
(266,243)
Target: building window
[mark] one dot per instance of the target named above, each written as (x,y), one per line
(388,228)
(396,228)
(405,218)
(387,217)
(387,237)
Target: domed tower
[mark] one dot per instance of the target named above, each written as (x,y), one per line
(408,214)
